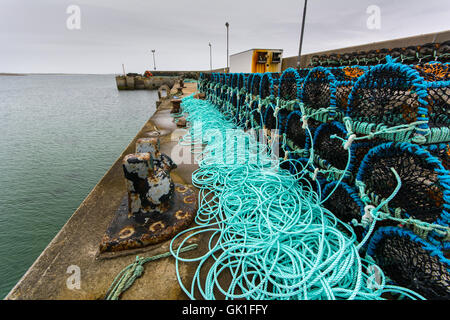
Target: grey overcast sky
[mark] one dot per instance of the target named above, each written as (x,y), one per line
(34,36)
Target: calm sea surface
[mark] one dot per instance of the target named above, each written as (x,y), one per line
(59,134)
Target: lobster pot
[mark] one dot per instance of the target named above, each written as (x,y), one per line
(255,85)
(269,85)
(242,105)
(319,92)
(241,81)
(250,110)
(443,52)
(411,262)
(234,80)
(298,138)
(270,121)
(345,79)
(386,96)
(437,81)
(440,151)
(409,55)
(329,153)
(234,104)
(282,118)
(424,194)
(256,116)
(249,81)
(290,85)
(243,116)
(345,204)
(228,77)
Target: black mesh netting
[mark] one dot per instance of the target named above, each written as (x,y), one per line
(234,80)
(316,89)
(409,55)
(303,72)
(256,81)
(408,264)
(443,52)
(438,94)
(344,207)
(345,78)
(331,149)
(442,152)
(384,96)
(290,84)
(296,133)
(270,121)
(258,117)
(421,193)
(241,81)
(248,82)
(269,85)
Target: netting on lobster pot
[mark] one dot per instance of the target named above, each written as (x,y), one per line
(389,95)
(282,118)
(270,121)
(296,136)
(345,204)
(440,151)
(269,85)
(256,116)
(241,81)
(424,192)
(248,82)
(252,113)
(319,92)
(437,81)
(443,52)
(255,85)
(234,103)
(290,85)
(234,80)
(244,109)
(409,55)
(427,52)
(411,262)
(228,79)
(345,78)
(330,154)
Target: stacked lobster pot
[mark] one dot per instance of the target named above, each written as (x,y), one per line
(409,55)
(373,134)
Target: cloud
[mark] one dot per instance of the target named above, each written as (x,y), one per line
(34,36)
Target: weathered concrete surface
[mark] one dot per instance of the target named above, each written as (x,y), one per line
(77,242)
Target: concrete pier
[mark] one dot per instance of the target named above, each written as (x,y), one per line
(77,243)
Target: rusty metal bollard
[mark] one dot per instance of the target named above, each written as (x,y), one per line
(155,208)
(176,105)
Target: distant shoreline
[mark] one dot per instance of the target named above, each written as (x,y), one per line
(55,74)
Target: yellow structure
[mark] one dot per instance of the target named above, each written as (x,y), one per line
(256,61)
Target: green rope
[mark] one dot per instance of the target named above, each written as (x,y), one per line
(125,279)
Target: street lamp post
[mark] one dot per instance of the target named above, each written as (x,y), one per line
(301,35)
(227,25)
(154,64)
(210,57)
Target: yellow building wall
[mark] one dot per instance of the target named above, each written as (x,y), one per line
(267,67)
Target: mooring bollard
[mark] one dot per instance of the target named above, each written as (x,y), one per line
(176,105)
(155,208)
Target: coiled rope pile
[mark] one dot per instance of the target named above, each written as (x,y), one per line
(269,235)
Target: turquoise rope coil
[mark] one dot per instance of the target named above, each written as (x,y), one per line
(265,229)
